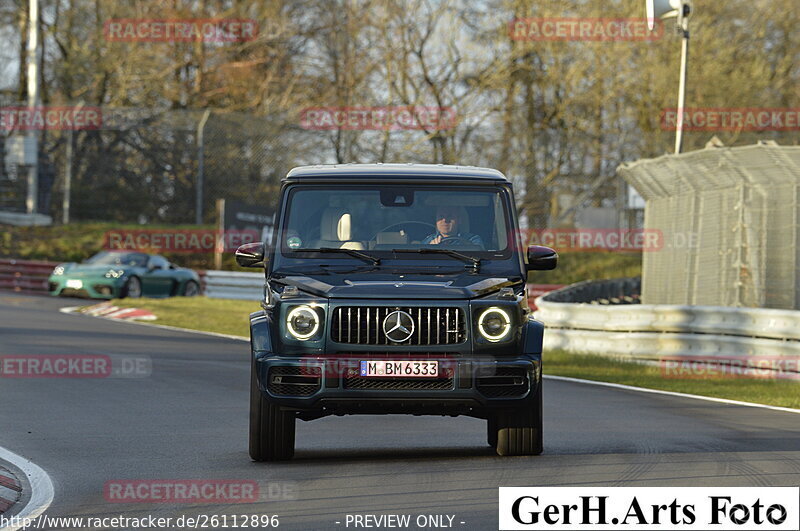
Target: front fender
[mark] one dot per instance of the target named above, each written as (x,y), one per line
(261,327)
(533,336)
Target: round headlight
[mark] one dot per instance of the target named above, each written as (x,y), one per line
(59,270)
(494,323)
(114,273)
(302,322)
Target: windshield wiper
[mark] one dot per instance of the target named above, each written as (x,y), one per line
(352,252)
(337,269)
(473,262)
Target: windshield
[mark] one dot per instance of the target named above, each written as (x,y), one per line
(124,259)
(378,219)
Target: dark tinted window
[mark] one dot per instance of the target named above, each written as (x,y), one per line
(115,258)
(158,262)
(380,218)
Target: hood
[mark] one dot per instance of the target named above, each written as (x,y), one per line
(392,288)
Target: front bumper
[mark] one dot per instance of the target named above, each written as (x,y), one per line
(94,288)
(319,385)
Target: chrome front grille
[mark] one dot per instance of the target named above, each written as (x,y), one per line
(363,325)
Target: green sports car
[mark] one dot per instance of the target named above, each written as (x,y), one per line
(118,274)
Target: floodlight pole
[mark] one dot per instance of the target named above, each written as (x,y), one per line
(32,200)
(684,29)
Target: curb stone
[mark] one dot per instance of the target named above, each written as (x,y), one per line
(10,490)
(107,310)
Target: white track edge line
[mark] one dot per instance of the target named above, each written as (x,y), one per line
(671,393)
(41,488)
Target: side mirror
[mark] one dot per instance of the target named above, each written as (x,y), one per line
(541,258)
(250,254)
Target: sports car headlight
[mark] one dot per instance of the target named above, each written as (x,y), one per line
(59,270)
(494,323)
(302,322)
(115,273)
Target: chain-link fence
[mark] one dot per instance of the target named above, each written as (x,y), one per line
(729,220)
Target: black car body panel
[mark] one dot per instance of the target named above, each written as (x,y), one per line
(346,302)
(383,286)
(470,393)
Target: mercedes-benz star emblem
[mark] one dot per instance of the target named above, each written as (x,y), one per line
(398,326)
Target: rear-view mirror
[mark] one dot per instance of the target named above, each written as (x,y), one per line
(250,254)
(541,258)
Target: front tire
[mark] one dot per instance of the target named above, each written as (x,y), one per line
(519,430)
(271,429)
(132,288)
(191,289)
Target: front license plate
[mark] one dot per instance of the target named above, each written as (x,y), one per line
(404,369)
(74,284)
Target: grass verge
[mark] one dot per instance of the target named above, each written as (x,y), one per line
(781,393)
(231,317)
(223,316)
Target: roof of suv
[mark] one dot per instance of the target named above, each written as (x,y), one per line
(358,172)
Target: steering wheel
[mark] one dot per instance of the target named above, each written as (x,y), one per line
(454,240)
(402,223)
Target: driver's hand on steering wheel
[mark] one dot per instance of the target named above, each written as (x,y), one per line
(437,240)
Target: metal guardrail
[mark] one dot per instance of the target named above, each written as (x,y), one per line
(26,276)
(234,285)
(645,331)
(745,322)
(648,346)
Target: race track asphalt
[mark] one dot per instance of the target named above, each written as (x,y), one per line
(188,420)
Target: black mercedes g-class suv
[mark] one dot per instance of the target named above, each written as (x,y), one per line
(395,288)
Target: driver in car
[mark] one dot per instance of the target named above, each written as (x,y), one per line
(447,228)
